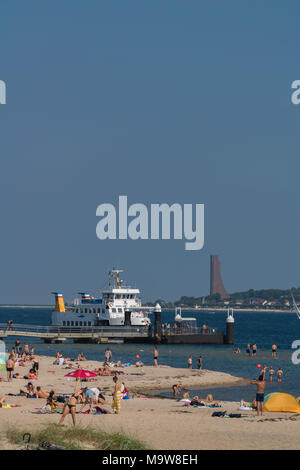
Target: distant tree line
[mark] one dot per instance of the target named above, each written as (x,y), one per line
(262,298)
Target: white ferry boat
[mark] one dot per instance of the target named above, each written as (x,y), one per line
(107,310)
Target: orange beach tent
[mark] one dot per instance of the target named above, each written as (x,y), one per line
(283,402)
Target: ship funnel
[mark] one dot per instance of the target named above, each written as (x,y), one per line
(84,295)
(59,302)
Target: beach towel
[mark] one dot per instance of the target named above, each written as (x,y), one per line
(116,403)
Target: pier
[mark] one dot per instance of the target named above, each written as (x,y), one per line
(97,334)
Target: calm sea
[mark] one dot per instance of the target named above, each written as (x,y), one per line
(264,329)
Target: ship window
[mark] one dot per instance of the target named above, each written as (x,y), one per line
(68,323)
(72,323)
(113,310)
(98,310)
(64,323)
(84,323)
(76,323)
(85,310)
(80,323)
(103,310)
(120,310)
(118,296)
(89,323)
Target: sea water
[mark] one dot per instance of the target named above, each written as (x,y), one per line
(264,329)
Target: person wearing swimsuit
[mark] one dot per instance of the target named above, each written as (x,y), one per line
(70,407)
(155,356)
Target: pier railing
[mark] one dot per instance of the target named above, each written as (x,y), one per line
(190,331)
(72,332)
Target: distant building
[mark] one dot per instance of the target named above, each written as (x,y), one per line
(216,283)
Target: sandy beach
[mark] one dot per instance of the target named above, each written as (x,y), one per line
(160,423)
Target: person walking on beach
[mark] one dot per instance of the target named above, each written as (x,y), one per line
(274,350)
(117,395)
(190,362)
(155,355)
(260,393)
(199,363)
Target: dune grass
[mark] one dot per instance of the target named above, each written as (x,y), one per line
(78,438)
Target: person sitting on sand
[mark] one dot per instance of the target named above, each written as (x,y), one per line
(32,374)
(139,364)
(81,357)
(260,393)
(30,391)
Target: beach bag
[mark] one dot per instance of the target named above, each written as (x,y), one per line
(219,414)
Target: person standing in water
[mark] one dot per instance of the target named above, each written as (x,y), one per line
(248,352)
(279,375)
(260,393)
(254,350)
(155,355)
(274,350)
(108,355)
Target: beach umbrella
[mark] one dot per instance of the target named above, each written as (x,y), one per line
(81,374)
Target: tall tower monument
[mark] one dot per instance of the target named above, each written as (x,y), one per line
(216,283)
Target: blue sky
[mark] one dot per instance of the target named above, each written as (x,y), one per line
(173,101)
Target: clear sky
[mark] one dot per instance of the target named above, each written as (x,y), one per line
(163,101)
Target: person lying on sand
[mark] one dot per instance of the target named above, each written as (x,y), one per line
(41,393)
(208,399)
(2,401)
(18,376)
(103,371)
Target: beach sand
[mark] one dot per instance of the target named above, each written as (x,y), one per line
(160,423)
